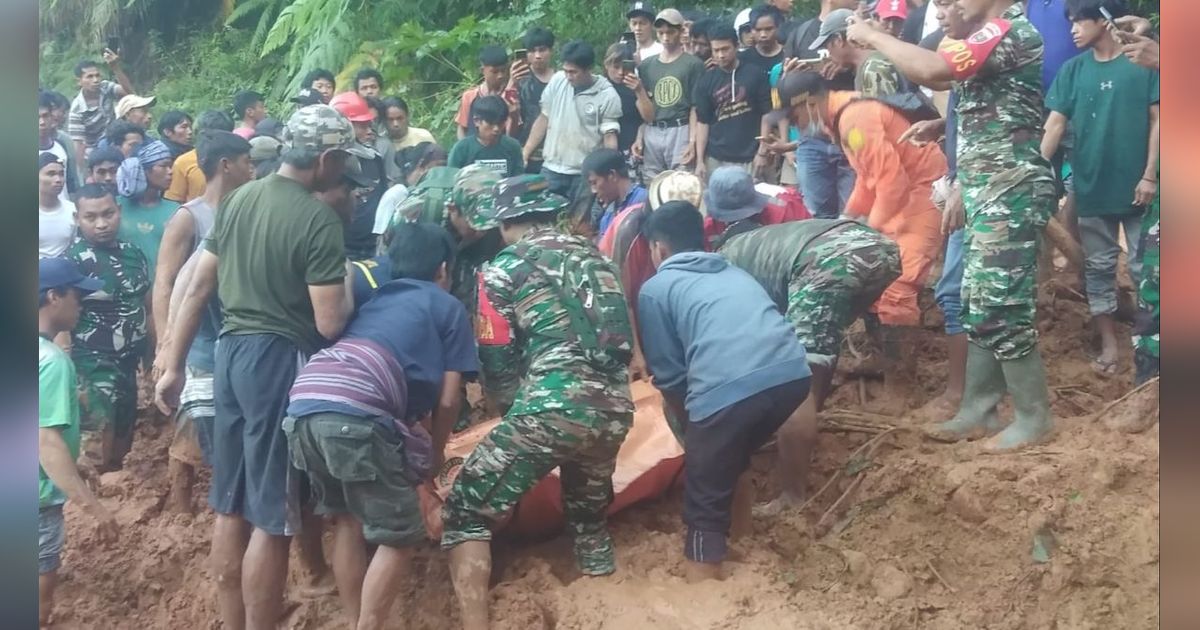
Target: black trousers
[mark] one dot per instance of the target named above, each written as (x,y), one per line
(718,450)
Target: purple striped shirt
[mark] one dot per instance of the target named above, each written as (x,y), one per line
(357,373)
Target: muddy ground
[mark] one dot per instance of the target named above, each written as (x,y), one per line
(935,536)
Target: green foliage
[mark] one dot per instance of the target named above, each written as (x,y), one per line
(262,14)
(205,71)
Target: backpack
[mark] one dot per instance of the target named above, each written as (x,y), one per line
(591,293)
(914,106)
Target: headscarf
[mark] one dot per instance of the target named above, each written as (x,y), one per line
(131,174)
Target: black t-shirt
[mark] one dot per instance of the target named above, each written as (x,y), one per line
(630,118)
(732,104)
(751,56)
(798,46)
(914,25)
(529,97)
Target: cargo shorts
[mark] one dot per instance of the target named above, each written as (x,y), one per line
(357,466)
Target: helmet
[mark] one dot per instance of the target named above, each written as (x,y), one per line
(674,186)
(742,21)
(353,107)
(525,194)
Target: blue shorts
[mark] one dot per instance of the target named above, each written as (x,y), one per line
(252,473)
(52,535)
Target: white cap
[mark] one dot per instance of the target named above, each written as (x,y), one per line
(742,19)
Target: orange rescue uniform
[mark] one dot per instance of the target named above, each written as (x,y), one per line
(893,191)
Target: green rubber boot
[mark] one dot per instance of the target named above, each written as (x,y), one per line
(976,417)
(1026,378)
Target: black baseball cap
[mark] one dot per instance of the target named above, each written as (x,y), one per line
(641,8)
(794,88)
(307,96)
(57,272)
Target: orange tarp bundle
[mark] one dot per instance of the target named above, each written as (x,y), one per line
(648,463)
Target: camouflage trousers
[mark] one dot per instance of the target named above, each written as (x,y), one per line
(1000,256)
(523,449)
(840,276)
(109,383)
(1146,324)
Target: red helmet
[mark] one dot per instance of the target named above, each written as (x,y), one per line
(353,107)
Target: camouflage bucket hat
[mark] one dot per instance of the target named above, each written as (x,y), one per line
(474,198)
(318,127)
(525,194)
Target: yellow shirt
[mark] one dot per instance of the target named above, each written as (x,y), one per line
(415,136)
(187,180)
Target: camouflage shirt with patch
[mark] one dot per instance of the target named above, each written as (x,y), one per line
(113,319)
(526,349)
(878,77)
(1001,108)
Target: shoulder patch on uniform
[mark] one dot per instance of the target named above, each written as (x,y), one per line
(855,140)
(491,329)
(966,57)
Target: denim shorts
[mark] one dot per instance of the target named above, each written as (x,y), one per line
(52,535)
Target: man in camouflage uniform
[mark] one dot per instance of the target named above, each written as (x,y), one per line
(822,274)
(1008,194)
(1146,323)
(478,240)
(875,76)
(554,351)
(110,338)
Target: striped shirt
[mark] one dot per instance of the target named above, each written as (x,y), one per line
(86,123)
(353,376)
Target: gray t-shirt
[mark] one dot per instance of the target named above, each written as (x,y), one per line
(578,120)
(670,85)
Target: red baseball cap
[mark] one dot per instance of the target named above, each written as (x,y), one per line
(891,9)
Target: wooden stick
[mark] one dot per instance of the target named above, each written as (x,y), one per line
(1131,392)
(862,415)
(833,509)
(832,426)
(837,474)
(874,444)
(939,577)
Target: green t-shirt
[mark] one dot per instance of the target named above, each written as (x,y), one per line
(1108,104)
(58,408)
(143,226)
(504,157)
(670,85)
(275,239)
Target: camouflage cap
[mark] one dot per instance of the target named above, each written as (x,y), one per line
(318,127)
(525,194)
(474,198)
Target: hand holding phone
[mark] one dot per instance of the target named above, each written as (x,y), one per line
(521,54)
(629,66)
(1111,25)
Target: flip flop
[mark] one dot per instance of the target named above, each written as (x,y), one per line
(1107,369)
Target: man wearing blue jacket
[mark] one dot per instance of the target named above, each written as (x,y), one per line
(729,367)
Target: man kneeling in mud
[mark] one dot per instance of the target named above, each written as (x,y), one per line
(729,366)
(358,413)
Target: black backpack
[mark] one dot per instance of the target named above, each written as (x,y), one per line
(914,106)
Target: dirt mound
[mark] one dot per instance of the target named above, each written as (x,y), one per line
(934,536)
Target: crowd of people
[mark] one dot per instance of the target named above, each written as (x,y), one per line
(709,204)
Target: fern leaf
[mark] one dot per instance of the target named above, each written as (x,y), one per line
(280,31)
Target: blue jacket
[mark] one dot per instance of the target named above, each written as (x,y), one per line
(710,331)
